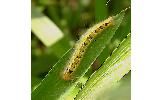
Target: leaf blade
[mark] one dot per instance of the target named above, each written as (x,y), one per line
(114,68)
(53,87)
(44,28)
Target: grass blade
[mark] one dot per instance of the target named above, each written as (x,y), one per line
(114,68)
(53,87)
(44,28)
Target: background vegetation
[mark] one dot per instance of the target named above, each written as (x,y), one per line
(68,20)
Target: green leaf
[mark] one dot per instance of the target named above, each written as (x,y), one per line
(44,28)
(114,68)
(121,89)
(53,87)
(61,47)
(101,4)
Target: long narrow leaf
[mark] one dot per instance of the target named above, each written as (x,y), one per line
(114,68)
(54,87)
(44,28)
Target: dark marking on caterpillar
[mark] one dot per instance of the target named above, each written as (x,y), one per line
(81,46)
(101,27)
(70,71)
(106,24)
(85,44)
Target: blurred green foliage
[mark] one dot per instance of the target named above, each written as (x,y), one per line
(73,17)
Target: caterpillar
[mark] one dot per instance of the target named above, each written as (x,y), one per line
(82,44)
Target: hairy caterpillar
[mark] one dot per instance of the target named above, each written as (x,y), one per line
(82,44)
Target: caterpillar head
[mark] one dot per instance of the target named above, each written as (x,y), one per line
(67,74)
